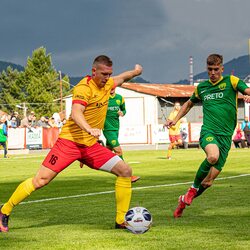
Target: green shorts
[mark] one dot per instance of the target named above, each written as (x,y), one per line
(111,138)
(223,143)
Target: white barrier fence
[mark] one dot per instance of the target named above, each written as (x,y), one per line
(21,138)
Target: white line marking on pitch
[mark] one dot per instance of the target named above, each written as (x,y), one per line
(136,188)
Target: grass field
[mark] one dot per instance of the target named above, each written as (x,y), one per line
(78,216)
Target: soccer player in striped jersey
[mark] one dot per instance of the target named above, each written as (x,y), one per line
(78,141)
(218,96)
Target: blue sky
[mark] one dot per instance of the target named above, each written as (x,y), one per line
(158,34)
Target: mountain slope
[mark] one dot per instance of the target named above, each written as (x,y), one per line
(239,67)
(4,65)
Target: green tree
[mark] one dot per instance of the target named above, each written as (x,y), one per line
(41,84)
(10,89)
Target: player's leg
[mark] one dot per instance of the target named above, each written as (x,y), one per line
(170,146)
(5,151)
(123,191)
(113,144)
(213,153)
(57,159)
(179,141)
(101,158)
(118,150)
(224,145)
(24,190)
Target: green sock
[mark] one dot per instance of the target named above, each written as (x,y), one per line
(200,191)
(201,173)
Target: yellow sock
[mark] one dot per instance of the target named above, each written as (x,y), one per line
(123,193)
(169,153)
(22,192)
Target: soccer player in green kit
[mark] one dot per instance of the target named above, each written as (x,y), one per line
(116,109)
(219,99)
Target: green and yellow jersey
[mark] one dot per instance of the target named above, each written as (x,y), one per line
(116,103)
(219,102)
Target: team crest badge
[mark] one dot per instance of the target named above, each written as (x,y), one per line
(113,142)
(118,102)
(222,86)
(209,139)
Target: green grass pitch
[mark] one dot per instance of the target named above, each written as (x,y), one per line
(79,212)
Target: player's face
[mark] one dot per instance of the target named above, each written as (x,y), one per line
(215,72)
(101,73)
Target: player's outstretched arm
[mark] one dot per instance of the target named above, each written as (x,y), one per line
(183,111)
(127,75)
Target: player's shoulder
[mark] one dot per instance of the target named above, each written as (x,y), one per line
(118,96)
(85,81)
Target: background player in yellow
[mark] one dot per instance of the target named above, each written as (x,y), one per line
(78,141)
(174,131)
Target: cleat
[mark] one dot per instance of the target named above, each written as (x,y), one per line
(181,206)
(189,196)
(120,226)
(169,158)
(135,178)
(4,222)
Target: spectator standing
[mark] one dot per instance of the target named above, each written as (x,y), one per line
(43,122)
(245,127)
(3,135)
(237,139)
(52,122)
(18,120)
(28,121)
(13,122)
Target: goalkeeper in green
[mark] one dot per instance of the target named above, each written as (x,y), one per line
(219,96)
(116,109)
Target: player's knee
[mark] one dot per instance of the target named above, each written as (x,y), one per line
(212,159)
(122,170)
(126,172)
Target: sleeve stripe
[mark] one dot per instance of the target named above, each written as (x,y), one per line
(234,81)
(80,102)
(196,93)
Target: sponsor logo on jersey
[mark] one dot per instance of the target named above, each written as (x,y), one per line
(222,86)
(209,139)
(113,108)
(101,104)
(79,97)
(213,96)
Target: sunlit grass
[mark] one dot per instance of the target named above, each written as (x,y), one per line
(219,219)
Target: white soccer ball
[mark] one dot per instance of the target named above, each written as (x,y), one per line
(138,220)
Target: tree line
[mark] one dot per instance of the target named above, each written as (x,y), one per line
(37,87)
